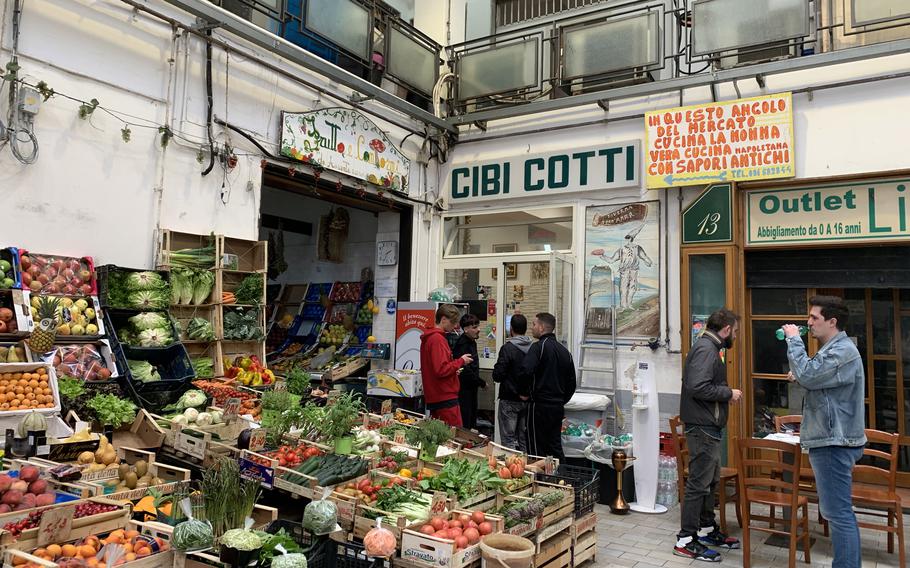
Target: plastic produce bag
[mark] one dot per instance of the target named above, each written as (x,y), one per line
(321,517)
(447,293)
(285,559)
(379,542)
(192,534)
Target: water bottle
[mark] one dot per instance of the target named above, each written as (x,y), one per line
(803,330)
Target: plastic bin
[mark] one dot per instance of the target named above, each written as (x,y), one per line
(11,255)
(54,266)
(104,274)
(316,290)
(318,549)
(351,555)
(585,481)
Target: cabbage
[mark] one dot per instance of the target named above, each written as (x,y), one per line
(203,419)
(293,560)
(320,517)
(191,414)
(145,281)
(202,286)
(190,399)
(149,320)
(143,371)
(217,416)
(149,299)
(155,337)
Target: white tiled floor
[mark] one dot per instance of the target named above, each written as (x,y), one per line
(642,541)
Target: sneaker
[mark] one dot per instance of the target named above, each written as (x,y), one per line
(720,540)
(697,551)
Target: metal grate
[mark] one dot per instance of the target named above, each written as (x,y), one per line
(514,11)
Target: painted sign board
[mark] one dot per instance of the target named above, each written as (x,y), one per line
(607,166)
(410,321)
(346,141)
(842,212)
(742,140)
(709,219)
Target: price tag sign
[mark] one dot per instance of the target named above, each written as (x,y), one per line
(366,420)
(387,419)
(387,406)
(549,465)
(56,525)
(231,410)
(257,439)
(257,472)
(399,437)
(438,504)
(280,386)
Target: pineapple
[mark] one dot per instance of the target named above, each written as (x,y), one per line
(42,339)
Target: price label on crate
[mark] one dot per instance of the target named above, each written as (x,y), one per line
(231,410)
(257,472)
(280,386)
(56,525)
(257,439)
(387,406)
(366,420)
(399,437)
(387,420)
(438,504)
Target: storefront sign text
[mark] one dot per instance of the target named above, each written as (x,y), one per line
(602,167)
(842,212)
(345,141)
(741,140)
(709,219)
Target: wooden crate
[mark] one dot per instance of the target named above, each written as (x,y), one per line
(555,552)
(232,349)
(83,527)
(169,241)
(252,256)
(230,280)
(183,315)
(344,370)
(584,548)
(583,526)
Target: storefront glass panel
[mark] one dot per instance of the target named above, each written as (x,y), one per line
(774,397)
(882,322)
(885,373)
(778,301)
(769,354)
(534,230)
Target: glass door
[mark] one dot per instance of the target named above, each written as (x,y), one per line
(562,267)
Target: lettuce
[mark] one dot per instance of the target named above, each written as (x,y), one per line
(145,281)
(149,320)
(203,283)
(155,337)
(150,299)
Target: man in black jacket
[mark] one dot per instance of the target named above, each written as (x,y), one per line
(703,409)
(466,344)
(549,369)
(513,393)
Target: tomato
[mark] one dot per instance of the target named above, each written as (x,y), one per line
(485,528)
(464,518)
(427,529)
(478,517)
(454,523)
(461,542)
(438,523)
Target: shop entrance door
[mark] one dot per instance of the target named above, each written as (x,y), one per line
(879,323)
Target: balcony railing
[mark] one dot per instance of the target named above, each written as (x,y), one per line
(599,48)
(363,37)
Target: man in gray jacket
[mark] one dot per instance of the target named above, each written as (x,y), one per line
(833,418)
(703,409)
(513,392)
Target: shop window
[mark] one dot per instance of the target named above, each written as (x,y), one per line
(882,322)
(886,396)
(774,397)
(778,301)
(535,230)
(769,354)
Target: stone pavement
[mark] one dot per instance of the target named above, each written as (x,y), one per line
(645,541)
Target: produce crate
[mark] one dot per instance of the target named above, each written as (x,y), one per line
(230,281)
(260,321)
(52,385)
(84,361)
(432,552)
(315,291)
(172,363)
(241,255)
(233,349)
(555,552)
(117,320)
(318,548)
(82,527)
(346,369)
(210,350)
(585,481)
(74,308)
(23,353)
(171,241)
(20,323)
(10,255)
(584,547)
(57,275)
(346,292)
(106,272)
(313,312)
(351,555)
(183,314)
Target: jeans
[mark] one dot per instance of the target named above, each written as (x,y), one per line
(701,485)
(833,467)
(513,424)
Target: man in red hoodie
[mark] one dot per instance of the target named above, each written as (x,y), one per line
(438,370)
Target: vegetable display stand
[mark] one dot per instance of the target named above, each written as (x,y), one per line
(432,551)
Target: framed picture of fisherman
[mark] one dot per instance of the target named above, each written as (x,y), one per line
(622,269)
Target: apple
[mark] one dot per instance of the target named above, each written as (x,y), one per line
(74,264)
(26,279)
(68,273)
(51,272)
(60,282)
(69,289)
(52,289)
(34,271)
(25,262)
(43,278)
(41,261)
(85,274)
(57,264)
(75,282)
(35,286)
(86,289)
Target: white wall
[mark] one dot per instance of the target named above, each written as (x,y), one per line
(92,194)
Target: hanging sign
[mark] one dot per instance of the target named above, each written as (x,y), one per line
(346,141)
(606,166)
(844,212)
(710,217)
(741,140)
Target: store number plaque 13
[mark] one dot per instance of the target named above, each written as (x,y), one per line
(709,219)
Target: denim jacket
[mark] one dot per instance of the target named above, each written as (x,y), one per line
(833,413)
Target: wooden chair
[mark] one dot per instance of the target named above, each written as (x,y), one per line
(772,491)
(871,501)
(792,423)
(727,475)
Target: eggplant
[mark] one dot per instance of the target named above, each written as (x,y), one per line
(243,440)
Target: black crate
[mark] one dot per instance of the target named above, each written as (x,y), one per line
(318,549)
(106,273)
(585,481)
(352,555)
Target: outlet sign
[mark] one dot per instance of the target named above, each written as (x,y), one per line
(608,166)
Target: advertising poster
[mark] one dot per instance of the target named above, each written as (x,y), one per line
(410,321)
(741,140)
(622,265)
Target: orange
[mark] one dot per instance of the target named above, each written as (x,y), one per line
(68,550)
(40,552)
(18,561)
(17,376)
(132,534)
(130,557)
(91,561)
(54,550)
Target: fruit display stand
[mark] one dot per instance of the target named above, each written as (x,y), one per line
(238,259)
(90,516)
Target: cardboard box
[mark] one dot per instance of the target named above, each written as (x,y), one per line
(18,301)
(51,380)
(394,382)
